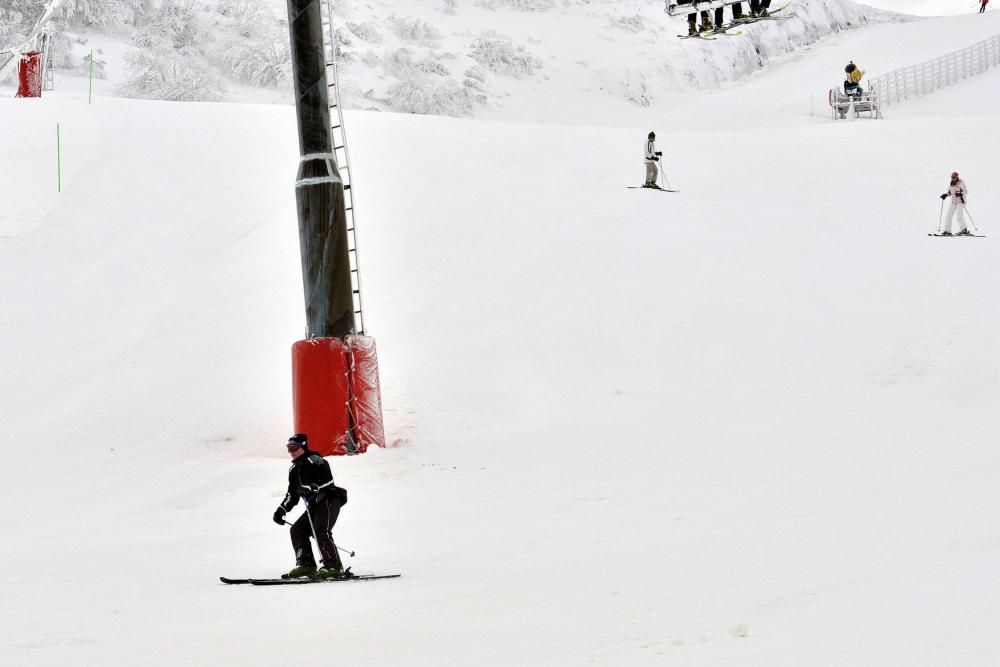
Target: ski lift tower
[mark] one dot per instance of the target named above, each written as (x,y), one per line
(336,397)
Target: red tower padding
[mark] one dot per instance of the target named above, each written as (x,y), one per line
(320,393)
(366,395)
(29,75)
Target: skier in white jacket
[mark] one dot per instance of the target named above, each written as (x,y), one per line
(652,157)
(958,192)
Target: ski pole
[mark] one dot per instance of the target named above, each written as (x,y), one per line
(669,187)
(315,537)
(970,216)
(939,216)
(349,552)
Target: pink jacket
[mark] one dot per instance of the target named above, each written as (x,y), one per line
(956,190)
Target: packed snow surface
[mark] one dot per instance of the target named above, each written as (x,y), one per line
(747,423)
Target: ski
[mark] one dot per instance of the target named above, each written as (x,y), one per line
(640,187)
(317,580)
(727,28)
(710,35)
(305,580)
(770,16)
(976,236)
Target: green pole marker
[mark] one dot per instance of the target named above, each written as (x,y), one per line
(90,92)
(58,161)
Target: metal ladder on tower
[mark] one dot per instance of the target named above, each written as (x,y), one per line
(338,137)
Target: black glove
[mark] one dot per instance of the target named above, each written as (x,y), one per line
(659,152)
(656,159)
(944,196)
(279,516)
(308,489)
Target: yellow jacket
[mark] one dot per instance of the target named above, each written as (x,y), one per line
(855,76)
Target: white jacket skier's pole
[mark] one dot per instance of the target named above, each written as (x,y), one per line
(941,213)
(970,216)
(663,173)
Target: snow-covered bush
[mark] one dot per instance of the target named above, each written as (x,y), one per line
(401,65)
(342,36)
(413,29)
(177,75)
(474,85)
(519,5)
(501,56)
(365,31)
(258,51)
(425,97)
(476,73)
(431,67)
(262,62)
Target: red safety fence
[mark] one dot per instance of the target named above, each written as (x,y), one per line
(29,75)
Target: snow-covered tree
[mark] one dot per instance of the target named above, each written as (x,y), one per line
(17,17)
(167,61)
(106,13)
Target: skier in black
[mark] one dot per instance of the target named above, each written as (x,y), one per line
(310,478)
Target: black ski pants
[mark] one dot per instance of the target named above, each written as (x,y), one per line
(737,13)
(324,516)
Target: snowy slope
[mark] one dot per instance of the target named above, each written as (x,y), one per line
(742,424)
(537,61)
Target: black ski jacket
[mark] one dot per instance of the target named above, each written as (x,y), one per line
(310,469)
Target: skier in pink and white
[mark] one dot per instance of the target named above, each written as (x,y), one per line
(958,192)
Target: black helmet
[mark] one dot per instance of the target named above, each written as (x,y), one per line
(850,67)
(652,134)
(298,440)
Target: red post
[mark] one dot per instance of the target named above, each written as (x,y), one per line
(29,75)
